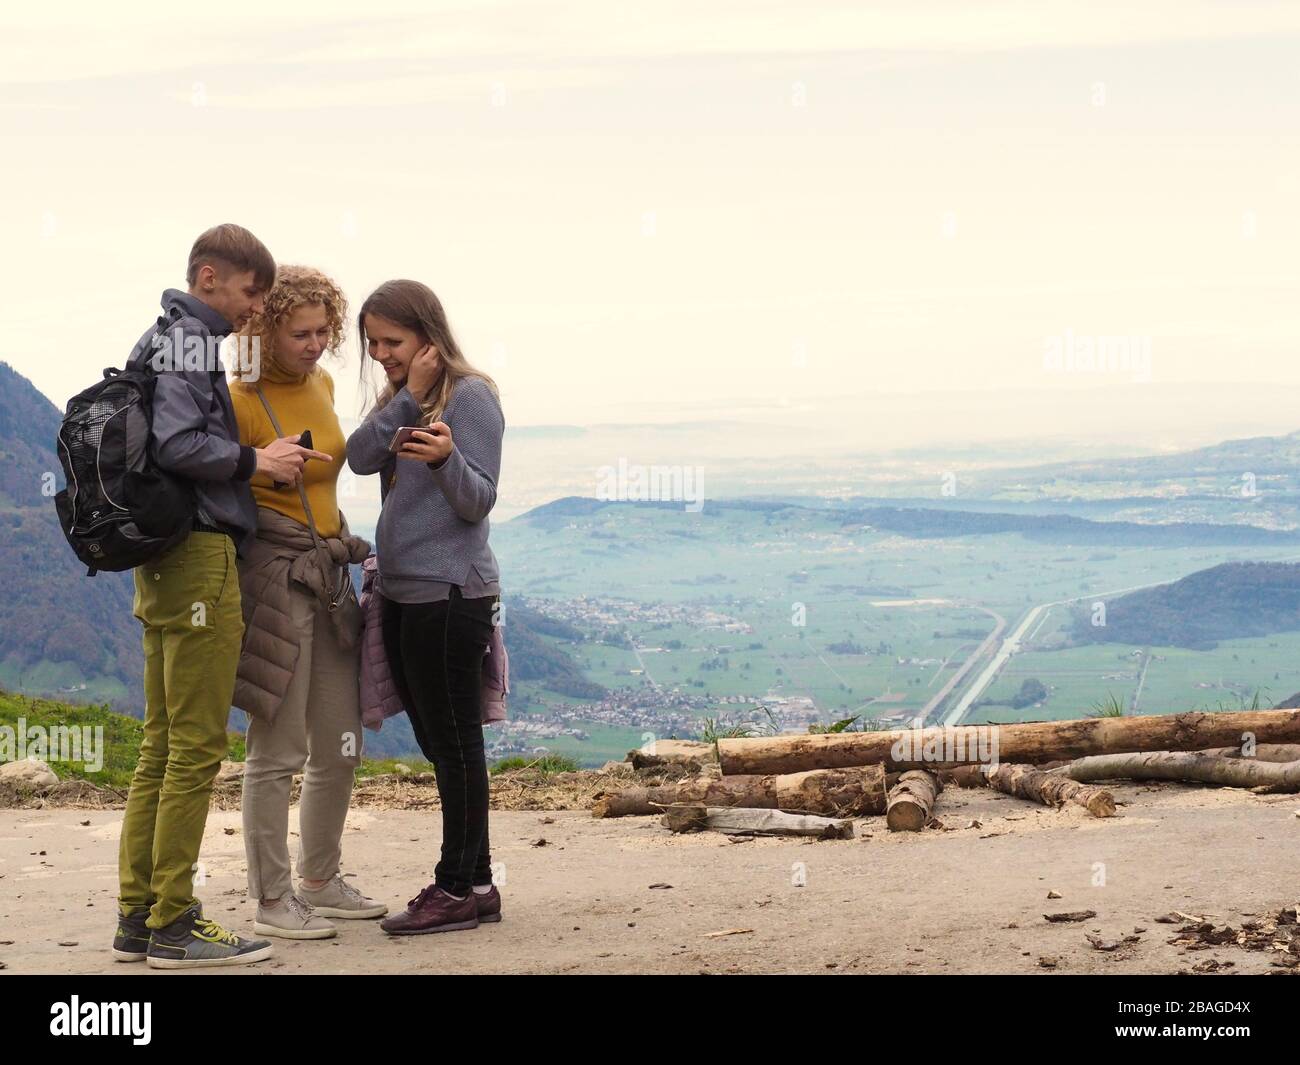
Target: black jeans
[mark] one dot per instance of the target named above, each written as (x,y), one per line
(436,654)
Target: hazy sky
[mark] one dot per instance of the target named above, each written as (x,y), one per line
(677,210)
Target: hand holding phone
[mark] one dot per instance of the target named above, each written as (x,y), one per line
(431,444)
(303,441)
(404,435)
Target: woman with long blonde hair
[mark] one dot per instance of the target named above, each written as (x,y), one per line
(435,438)
(298,672)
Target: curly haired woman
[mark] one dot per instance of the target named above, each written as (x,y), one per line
(298,670)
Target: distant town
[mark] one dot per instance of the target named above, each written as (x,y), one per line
(665,713)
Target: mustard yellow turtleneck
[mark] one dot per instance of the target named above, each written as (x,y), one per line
(299,403)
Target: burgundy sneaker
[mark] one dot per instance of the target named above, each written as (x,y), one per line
(489,905)
(433,910)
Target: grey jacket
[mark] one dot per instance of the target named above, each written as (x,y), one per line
(434,523)
(195,434)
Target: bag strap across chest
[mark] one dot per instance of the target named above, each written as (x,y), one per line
(340,593)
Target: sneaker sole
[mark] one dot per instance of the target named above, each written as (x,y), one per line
(350,915)
(454,927)
(129,955)
(262,929)
(197,963)
(491,918)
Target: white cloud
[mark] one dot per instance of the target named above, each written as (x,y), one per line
(89,40)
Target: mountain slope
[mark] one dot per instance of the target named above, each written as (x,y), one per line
(1224,602)
(58,628)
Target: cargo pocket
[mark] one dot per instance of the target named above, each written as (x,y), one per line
(154,584)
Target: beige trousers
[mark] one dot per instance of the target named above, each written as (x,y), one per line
(316,731)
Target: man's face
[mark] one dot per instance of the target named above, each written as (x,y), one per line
(235,296)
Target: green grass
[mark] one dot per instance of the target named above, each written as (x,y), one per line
(378,767)
(547,764)
(605,743)
(1108,707)
(120,735)
(121,741)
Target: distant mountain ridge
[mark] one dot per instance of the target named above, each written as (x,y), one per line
(925,522)
(1230,601)
(1257,454)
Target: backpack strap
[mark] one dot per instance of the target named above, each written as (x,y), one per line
(345,583)
(166,319)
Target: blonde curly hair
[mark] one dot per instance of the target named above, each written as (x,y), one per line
(295,287)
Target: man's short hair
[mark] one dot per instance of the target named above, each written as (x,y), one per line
(235,247)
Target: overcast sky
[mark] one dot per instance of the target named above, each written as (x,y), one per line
(676,210)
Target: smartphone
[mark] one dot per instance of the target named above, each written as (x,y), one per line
(403,435)
(303,441)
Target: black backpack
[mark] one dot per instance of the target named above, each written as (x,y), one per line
(119,508)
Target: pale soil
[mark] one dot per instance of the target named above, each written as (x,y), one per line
(964,900)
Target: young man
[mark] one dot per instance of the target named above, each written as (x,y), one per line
(187,599)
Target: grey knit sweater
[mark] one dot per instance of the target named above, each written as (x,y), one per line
(433,528)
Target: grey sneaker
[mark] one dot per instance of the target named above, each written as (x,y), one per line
(291,918)
(338,898)
(131,943)
(191,941)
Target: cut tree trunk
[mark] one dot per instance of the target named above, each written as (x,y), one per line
(743,822)
(685,817)
(853,792)
(1050,789)
(911,801)
(667,752)
(1263,752)
(1034,742)
(962,776)
(1194,766)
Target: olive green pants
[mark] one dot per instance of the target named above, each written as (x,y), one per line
(188,602)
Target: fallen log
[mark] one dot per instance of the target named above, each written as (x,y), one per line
(857,791)
(669,752)
(911,801)
(743,822)
(964,776)
(685,817)
(1031,743)
(1033,783)
(1192,766)
(1050,789)
(1263,752)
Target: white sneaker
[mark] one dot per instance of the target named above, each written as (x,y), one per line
(291,918)
(338,898)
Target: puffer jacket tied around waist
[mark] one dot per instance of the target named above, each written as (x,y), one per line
(284,555)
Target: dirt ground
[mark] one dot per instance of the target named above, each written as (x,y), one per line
(625,895)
